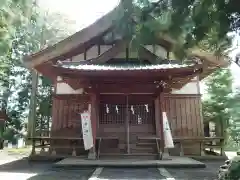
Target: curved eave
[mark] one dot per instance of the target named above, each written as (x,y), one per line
(143,73)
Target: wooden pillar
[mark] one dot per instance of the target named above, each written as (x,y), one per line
(127,125)
(161,101)
(157,117)
(157,123)
(93,102)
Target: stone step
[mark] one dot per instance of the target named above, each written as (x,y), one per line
(148,156)
(146,144)
(110,150)
(143,150)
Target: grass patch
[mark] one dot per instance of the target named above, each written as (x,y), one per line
(25,150)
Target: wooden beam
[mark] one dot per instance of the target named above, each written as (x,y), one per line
(148,55)
(46,69)
(124,88)
(93,122)
(73,97)
(77,83)
(184,81)
(109,54)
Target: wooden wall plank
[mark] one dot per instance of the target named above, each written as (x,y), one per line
(183,117)
(196,125)
(192,116)
(66,120)
(201,116)
(178,115)
(189,117)
(184,114)
(172,115)
(196,116)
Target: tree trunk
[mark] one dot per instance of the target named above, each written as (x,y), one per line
(32,106)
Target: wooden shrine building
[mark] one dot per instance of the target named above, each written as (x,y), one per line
(127,90)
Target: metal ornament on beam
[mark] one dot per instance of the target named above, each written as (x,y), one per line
(162,86)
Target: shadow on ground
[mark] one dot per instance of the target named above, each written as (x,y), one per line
(35,170)
(23,165)
(64,174)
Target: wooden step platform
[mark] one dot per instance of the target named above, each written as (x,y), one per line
(172,162)
(142,156)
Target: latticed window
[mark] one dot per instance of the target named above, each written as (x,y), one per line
(141,114)
(112,113)
(117,113)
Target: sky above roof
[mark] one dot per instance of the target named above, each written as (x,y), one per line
(85,12)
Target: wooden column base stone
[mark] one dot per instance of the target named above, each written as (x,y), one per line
(33,151)
(202,152)
(42,151)
(165,153)
(92,155)
(74,153)
(53,152)
(33,147)
(181,150)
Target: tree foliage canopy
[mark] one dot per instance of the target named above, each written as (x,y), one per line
(25,29)
(201,23)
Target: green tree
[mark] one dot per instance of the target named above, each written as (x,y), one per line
(15,80)
(218,103)
(190,23)
(235,120)
(13,14)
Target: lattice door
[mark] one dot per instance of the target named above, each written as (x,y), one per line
(140,114)
(112,114)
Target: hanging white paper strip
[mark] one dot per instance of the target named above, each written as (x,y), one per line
(117,109)
(107,109)
(146,105)
(132,109)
